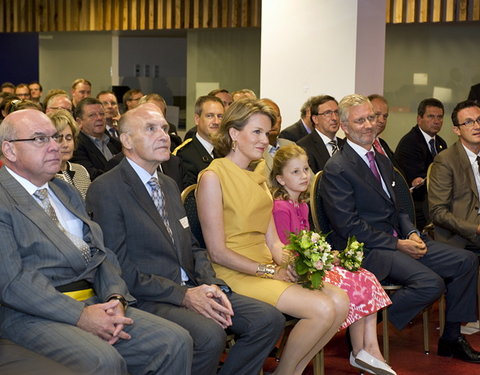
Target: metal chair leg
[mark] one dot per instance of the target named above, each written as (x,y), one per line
(386,343)
(319,364)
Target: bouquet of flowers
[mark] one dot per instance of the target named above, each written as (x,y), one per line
(351,258)
(312,257)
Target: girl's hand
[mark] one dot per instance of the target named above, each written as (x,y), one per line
(336,261)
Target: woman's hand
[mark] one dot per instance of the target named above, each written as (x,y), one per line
(287,274)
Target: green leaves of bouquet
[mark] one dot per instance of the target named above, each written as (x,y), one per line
(312,257)
(351,258)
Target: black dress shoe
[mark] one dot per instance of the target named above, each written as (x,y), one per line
(459,349)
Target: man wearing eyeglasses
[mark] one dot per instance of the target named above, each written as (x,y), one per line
(197,153)
(322,142)
(358,197)
(454,182)
(416,150)
(95,147)
(61,292)
(57,102)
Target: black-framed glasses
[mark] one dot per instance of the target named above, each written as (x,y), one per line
(40,140)
(470,122)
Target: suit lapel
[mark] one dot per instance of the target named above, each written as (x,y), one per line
(319,149)
(135,187)
(466,166)
(33,212)
(364,172)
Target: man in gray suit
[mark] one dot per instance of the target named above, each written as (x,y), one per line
(145,224)
(61,293)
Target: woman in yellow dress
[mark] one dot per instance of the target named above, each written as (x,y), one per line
(235,210)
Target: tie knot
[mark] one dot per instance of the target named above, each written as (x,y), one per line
(153,183)
(41,194)
(370,156)
(333,143)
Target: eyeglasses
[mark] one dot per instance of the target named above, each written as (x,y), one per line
(470,123)
(61,138)
(328,113)
(361,120)
(40,140)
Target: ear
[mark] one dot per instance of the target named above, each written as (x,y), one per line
(196,119)
(8,150)
(418,118)
(233,133)
(344,127)
(456,130)
(280,179)
(79,123)
(126,141)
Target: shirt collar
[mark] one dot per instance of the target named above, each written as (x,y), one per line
(142,173)
(27,185)
(207,145)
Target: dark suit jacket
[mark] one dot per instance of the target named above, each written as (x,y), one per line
(194,157)
(474,93)
(316,150)
(88,155)
(414,156)
(294,132)
(172,167)
(453,198)
(390,154)
(37,256)
(134,230)
(356,204)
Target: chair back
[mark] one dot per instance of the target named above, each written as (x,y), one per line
(318,216)
(403,195)
(190,205)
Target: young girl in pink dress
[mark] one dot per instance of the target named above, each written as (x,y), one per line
(290,179)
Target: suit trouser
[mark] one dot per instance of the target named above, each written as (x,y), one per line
(443,268)
(157,346)
(15,360)
(256,324)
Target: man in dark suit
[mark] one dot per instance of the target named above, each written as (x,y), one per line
(474,93)
(197,153)
(145,224)
(453,188)
(95,147)
(322,142)
(380,108)
(61,293)
(359,200)
(416,150)
(302,127)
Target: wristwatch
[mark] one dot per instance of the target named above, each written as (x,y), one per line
(122,300)
(225,289)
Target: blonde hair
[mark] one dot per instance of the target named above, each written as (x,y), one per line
(237,116)
(63,118)
(282,157)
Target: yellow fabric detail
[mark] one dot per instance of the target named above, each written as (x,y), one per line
(81,295)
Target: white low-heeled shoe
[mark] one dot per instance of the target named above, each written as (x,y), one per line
(373,364)
(356,365)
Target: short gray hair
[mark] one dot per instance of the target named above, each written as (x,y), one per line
(350,101)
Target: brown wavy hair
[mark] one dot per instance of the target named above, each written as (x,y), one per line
(237,116)
(282,157)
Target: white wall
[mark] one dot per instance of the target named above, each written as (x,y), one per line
(66,56)
(309,47)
